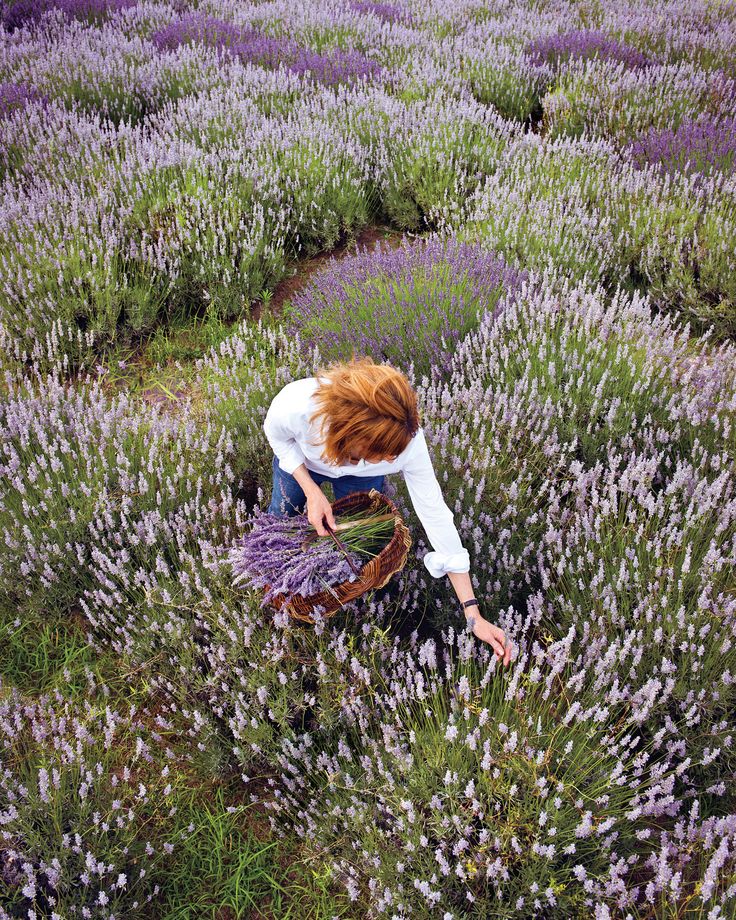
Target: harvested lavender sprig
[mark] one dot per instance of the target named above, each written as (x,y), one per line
(273,556)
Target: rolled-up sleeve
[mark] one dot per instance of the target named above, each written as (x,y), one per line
(279,427)
(426,495)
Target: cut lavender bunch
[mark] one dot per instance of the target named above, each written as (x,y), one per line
(272,556)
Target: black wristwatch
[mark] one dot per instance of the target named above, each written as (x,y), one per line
(470,603)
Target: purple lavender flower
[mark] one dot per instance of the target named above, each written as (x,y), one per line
(583,44)
(704,145)
(16,95)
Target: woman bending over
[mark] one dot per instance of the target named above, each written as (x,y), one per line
(352,425)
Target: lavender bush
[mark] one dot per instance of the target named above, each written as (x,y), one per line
(463,790)
(584,45)
(387,12)
(101,70)
(609,99)
(196,27)
(409,305)
(703,146)
(83,472)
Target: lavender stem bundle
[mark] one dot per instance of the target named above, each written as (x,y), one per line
(286,555)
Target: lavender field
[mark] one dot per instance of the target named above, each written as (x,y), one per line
(551,189)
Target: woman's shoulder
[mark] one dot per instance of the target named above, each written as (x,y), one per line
(416,448)
(303,387)
(294,398)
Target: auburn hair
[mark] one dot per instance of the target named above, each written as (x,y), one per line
(364,402)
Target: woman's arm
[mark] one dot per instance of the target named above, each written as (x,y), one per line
(449,557)
(279,426)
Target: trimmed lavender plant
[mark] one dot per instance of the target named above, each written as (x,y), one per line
(196,27)
(17,13)
(584,44)
(334,68)
(14,96)
(250,46)
(387,12)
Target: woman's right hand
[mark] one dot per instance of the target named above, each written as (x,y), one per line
(319,509)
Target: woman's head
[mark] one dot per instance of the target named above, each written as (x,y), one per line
(365,410)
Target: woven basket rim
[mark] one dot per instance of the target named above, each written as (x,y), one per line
(374,574)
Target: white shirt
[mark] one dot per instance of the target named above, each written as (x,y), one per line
(295,441)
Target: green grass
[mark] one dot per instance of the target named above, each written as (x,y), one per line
(40,652)
(228,868)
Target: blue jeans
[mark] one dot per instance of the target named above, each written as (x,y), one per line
(288,492)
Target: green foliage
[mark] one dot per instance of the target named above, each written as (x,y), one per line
(42,651)
(507,83)
(227,863)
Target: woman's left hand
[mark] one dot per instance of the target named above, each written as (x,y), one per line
(494,636)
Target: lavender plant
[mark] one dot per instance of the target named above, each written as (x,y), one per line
(250,46)
(410,305)
(387,12)
(102,70)
(83,800)
(703,146)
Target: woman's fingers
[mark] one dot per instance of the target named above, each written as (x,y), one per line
(502,647)
(320,511)
(316,519)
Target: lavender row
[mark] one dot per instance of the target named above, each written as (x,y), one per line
(110,226)
(159,221)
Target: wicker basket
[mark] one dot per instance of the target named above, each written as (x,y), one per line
(374,574)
